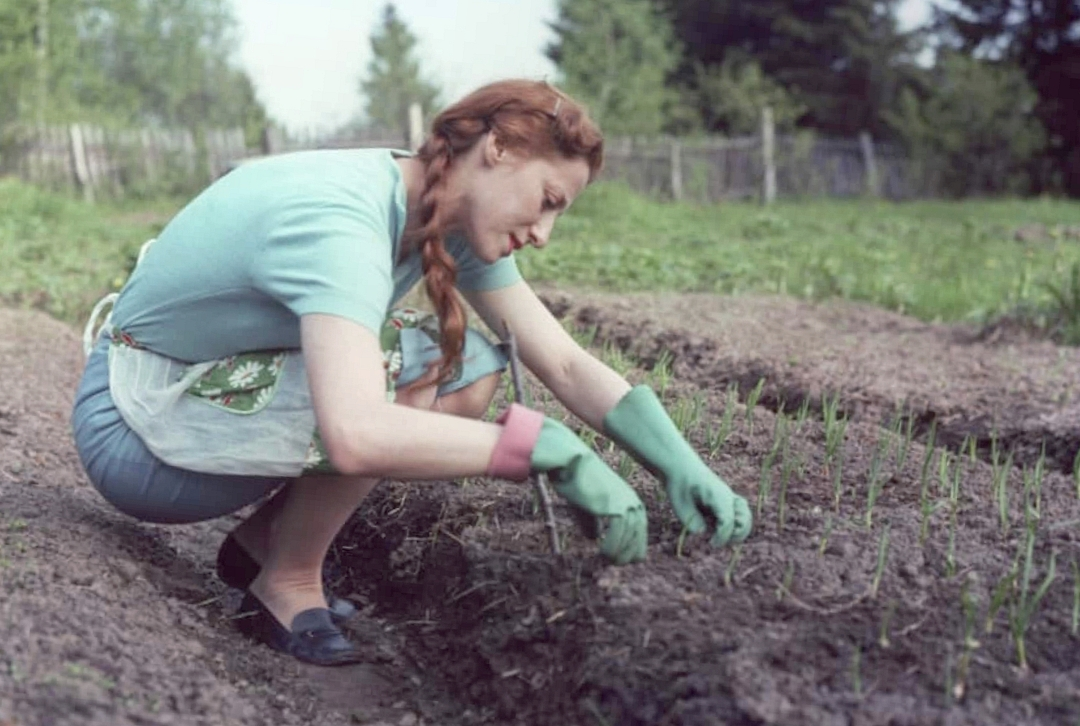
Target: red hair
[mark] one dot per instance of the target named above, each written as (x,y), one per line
(532,117)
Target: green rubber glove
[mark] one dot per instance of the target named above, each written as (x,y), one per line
(594,490)
(641,426)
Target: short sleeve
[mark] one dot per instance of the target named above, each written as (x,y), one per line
(474,274)
(334,259)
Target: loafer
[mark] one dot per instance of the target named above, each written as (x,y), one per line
(236,568)
(312,638)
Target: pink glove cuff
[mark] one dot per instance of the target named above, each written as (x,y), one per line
(512,456)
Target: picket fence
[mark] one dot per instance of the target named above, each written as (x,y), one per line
(97,162)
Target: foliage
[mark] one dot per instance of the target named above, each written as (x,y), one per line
(844,60)
(124,62)
(1043,39)
(615,56)
(733,94)
(973,122)
(61,255)
(394,81)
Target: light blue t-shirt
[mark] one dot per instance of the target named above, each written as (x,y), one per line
(277,238)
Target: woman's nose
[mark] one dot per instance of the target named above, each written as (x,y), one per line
(540,232)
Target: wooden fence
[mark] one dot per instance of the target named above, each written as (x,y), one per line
(106,163)
(716,170)
(98,162)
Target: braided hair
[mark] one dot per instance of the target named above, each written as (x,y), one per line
(532,117)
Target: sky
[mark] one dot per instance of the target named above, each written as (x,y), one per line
(307,57)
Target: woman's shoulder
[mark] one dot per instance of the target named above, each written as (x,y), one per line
(321,163)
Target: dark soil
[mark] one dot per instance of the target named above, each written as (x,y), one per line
(469,620)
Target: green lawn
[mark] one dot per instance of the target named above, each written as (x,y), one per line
(935,260)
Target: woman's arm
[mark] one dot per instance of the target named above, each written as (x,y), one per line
(633,418)
(363,433)
(581,382)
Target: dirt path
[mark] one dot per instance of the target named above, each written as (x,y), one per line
(468,621)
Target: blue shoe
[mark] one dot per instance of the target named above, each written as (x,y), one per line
(236,568)
(313,637)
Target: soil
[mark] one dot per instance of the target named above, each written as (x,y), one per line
(833,612)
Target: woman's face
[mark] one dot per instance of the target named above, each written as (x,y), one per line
(506,200)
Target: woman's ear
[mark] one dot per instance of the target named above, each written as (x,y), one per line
(494,149)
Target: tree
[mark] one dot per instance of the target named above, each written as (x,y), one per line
(1043,39)
(616,57)
(733,94)
(18,59)
(972,125)
(843,60)
(123,61)
(394,81)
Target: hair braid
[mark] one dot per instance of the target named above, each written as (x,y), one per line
(439,268)
(531,117)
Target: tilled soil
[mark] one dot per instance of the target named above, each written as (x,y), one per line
(874,590)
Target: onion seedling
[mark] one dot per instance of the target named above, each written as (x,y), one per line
(1075,625)
(1024,602)
(751,403)
(717,440)
(882,557)
(765,482)
(729,571)
(876,476)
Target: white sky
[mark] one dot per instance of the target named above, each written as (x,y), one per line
(306,57)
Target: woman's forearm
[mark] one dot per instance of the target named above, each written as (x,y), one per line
(588,387)
(400,442)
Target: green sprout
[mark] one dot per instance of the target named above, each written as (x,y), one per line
(751,403)
(765,482)
(1075,624)
(905,448)
(729,571)
(788,463)
(824,541)
(970,644)
(838,483)
(950,553)
(1002,486)
(661,372)
(1076,473)
(886,621)
(1024,602)
(882,557)
(716,441)
(876,476)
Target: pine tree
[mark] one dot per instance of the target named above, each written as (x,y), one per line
(615,56)
(394,82)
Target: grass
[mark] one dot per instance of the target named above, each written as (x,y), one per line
(935,260)
(60,255)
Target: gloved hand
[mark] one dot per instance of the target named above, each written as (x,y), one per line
(532,442)
(641,426)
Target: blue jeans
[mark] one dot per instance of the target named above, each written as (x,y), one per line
(137,483)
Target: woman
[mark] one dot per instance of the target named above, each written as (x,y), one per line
(251,351)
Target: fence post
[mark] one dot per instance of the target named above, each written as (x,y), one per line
(416,126)
(870,164)
(676,171)
(78,159)
(768,152)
